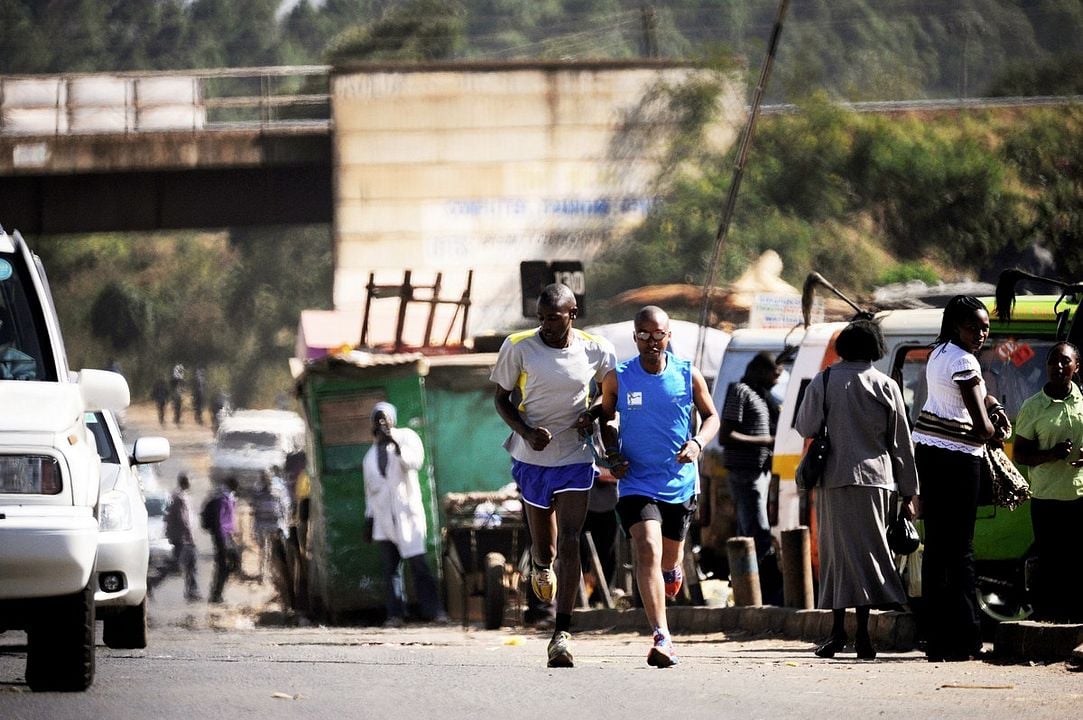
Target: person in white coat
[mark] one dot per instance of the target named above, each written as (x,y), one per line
(395,514)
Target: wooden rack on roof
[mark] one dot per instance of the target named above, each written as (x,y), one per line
(405,292)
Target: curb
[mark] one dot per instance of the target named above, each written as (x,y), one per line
(1017,642)
(1029,641)
(890,630)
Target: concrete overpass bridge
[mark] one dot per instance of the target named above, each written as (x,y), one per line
(153,151)
(461,170)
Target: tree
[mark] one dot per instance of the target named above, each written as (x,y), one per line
(22,44)
(121,316)
(417,30)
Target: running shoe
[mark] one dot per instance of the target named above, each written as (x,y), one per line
(544,583)
(662,654)
(560,655)
(673,579)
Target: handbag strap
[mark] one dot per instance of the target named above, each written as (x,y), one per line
(826,374)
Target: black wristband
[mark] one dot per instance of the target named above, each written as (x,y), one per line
(697,442)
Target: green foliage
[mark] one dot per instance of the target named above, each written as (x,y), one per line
(934,188)
(1045,148)
(932,195)
(907,271)
(121,316)
(417,30)
(1059,75)
(227,302)
(850,49)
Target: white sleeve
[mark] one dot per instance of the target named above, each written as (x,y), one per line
(411,449)
(508,367)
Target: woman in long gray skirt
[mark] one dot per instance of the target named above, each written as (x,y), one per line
(871,456)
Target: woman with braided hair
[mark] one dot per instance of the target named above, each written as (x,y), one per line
(958,418)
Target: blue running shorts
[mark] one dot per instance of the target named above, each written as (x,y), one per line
(538,484)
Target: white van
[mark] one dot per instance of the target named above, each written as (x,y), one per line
(49,478)
(717,516)
(1013,363)
(249,442)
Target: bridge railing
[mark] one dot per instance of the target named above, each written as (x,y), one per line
(268,98)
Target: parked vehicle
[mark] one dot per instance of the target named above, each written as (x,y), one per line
(156,500)
(49,479)
(1013,366)
(717,516)
(251,441)
(120,593)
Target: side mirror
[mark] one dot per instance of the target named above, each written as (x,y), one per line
(150,449)
(104,390)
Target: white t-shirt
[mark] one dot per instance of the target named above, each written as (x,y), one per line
(556,385)
(948,365)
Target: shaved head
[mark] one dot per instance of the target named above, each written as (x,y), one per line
(652,312)
(556,296)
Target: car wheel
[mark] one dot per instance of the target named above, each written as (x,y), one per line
(495,592)
(60,656)
(1002,600)
(126,630)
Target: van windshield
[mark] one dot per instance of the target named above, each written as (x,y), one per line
(23,336)
(1013,369)
(244,439)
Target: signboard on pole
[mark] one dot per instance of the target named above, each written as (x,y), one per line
(774,310)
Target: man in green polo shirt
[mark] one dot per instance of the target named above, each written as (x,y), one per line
(1048,439)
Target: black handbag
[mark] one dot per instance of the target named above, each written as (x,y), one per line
(810,470)
(902,535)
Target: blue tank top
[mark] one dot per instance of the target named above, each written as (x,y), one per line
(655,421)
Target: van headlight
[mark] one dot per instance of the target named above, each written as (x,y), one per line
(114,512)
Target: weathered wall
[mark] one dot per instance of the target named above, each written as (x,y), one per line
(481,167)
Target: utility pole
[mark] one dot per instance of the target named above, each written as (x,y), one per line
(650,31)
(738,173)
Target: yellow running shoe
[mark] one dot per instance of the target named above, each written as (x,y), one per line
(544,583)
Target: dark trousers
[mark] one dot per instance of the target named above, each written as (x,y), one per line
(184,555)
(428,595)
(949,503)
(226,561)
(1057,527)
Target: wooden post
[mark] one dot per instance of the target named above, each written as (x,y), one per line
(744,571)
(797,568)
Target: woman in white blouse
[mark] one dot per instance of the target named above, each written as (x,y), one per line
(958,417)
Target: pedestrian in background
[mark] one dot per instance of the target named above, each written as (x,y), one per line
(219,518)
(1049,439)
(749,422)
(178,530)
(949,438)
(553,370)
(395,514)
(872,457)
(160,393)
(176,392)
(658,397)
(270,516)
(199,393)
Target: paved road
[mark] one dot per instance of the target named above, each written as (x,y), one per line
(238,661)
(442,673)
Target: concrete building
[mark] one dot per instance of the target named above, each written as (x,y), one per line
(478,167)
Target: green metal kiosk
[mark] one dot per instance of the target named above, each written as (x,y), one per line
(447,400)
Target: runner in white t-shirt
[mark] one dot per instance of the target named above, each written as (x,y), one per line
(554,371)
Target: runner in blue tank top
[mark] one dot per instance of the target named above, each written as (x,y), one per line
(654,454)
